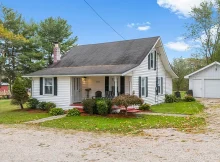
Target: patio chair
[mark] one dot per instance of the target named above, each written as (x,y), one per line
(109,95)
(98,94)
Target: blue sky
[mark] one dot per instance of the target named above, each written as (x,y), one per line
(131,18)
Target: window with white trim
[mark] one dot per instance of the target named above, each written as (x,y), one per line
(151,60)
(48,85)
(159,85)
(143,86)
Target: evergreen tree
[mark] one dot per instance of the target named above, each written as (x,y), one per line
(55,30)
(19,93)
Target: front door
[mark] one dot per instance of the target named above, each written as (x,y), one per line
(76,90)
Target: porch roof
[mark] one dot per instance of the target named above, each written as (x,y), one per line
(84,70)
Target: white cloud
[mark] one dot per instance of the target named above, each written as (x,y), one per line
(140,26)
(178,46)
(143,28)
(180,7)
(131,25)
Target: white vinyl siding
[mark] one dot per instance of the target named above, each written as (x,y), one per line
(168,85)
(143,71)
(63,92)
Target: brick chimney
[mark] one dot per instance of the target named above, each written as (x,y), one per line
(56,53)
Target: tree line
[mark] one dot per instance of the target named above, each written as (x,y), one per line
(27,46)
(204,30)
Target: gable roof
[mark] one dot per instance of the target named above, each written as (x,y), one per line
(214,63)
(104,58)
(112,53)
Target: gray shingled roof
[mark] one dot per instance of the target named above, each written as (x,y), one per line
(104,58)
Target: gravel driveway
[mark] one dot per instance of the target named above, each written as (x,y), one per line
(49,145)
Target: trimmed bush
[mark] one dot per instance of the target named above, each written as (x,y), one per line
(32,103)
(127,100)
(49,105)
(170,98)
(189,98)
(56,111)
(108,102)
(102,107)
(89,106)
(42,105)
(144,107)
(73,112)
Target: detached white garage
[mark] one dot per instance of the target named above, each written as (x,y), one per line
(206,81)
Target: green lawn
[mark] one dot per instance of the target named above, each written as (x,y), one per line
(123,125)
(178,108)
(10,114)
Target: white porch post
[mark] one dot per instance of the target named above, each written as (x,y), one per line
(116,85)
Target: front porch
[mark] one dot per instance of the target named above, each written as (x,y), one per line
(99,86)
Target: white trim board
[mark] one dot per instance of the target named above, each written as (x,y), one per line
(214,63)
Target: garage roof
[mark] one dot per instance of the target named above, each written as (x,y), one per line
(214,63)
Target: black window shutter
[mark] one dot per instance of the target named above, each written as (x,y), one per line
(161,85)
(122,84)
(41,86)
(155,60)
(106,83)
(146,86)
(55,86)
(149,61)
(156,85)
(139,86)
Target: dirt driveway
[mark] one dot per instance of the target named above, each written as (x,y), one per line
(48,145)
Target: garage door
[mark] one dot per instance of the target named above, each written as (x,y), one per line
(212,88)
(197,88)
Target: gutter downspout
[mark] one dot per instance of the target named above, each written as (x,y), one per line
(156,96)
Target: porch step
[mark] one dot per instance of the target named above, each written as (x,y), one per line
(80,110)
(76,104)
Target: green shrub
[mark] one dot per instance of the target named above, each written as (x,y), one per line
(32,103)
(108,102)
(144,107)
(73,112)
(170,98)
(89,106)
(56,111)
(102,107)
(42,105)
(49,105)
(189,98)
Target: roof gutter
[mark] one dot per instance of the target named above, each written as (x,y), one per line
(26,76)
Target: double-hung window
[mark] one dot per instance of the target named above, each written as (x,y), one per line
(151,60)
(48,85)
(159,85)
(143,86)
